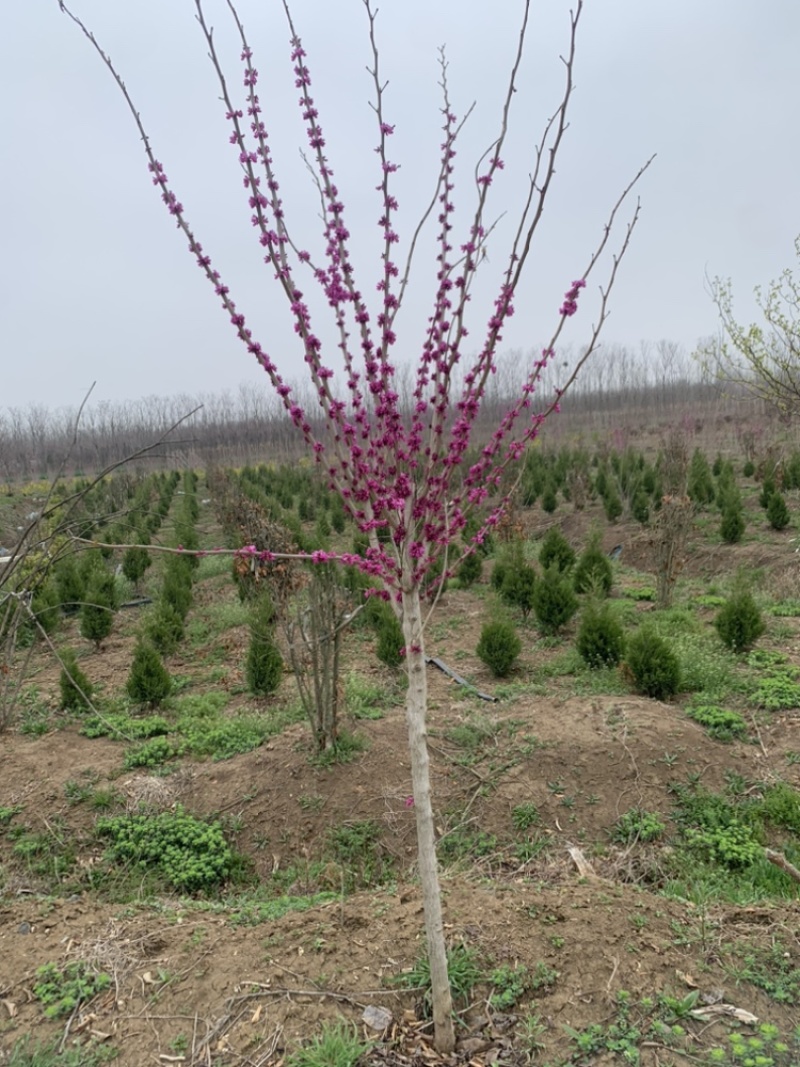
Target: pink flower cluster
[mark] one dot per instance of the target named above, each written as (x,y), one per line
(570,305)
(399,473)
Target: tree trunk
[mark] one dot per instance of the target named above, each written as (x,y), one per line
(416,711)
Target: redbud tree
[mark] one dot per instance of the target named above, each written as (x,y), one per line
(404,469)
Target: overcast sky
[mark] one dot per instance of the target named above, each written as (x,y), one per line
(96,282)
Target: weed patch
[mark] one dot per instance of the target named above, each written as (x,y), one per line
(720,723)
(347,747)
(337,1045)
(356,846)
(772,968)
(464,972)
(636,824)
(61,990)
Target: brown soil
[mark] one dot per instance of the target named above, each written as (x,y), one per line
(195,982)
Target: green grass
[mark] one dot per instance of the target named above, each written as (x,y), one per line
(464,971)
(524,816)
(475,733)
(785,609)
(465,843)
(337,1045)
(772,968)
(214,619)
(347,747)
(29,1053)
(666,1022)
(366,699)
(258,905)
(636,824)
(718,853)
(356,846)
(192,724)
(50,855)
(212,567)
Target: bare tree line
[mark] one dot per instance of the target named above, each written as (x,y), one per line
(659,381)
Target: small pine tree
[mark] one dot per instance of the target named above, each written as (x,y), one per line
(134,564)
(549,499)
(556,549)
(322,529)
(391,641)
(498,575)
(338,516)
(768,488)
(469,570)
(177,587)
(519,583)
(727,489)
(499,646)
(70,584)
(601,639)
(612,505)
(165,628)
(149,681)
(640,508)
(76,689)
(97,613)
(732,523)
(528,491)
(264,667)
(554,600)
(777,512)
(89,562)
(749,469)
(593,571)
(305,510)
(739,623)
(700,486)
(46,606)
(653,666)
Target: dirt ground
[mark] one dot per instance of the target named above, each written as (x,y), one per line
(209,982)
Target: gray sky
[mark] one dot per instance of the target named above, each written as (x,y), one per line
(96,282)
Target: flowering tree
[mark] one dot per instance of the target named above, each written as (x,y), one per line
(761,361)
(398,470)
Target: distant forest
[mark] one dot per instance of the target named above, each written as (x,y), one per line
(637,390)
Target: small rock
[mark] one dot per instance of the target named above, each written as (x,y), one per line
(24,928)
(377,1018)
(470,1046)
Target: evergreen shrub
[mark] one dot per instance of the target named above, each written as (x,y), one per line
(554,600)
(601,638)
(739,622)
(149,681)
(556,549)
(593,571)
(654,667)
(499,646)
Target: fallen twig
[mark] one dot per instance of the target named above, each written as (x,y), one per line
(781,861)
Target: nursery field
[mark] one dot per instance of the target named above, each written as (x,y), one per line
(207,835)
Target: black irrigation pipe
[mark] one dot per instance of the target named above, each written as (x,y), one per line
(459,680)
